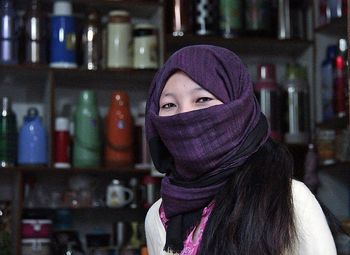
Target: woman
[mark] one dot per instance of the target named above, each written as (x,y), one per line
(228,187)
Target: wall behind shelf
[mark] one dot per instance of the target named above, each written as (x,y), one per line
(335,195)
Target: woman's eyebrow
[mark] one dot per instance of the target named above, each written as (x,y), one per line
(167,94)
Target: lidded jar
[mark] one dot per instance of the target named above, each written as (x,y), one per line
(119,42)
(145,46)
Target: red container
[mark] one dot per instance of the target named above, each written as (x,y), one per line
(36,228)
(119,132)
(62,143)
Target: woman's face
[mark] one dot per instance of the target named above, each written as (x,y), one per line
(181,94)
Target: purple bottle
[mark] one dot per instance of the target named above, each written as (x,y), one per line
(8,33)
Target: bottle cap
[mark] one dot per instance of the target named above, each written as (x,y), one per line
(62,8)
(32,112)
(118,13)
(331,52)
(87,97)
(62,124)
(343,45)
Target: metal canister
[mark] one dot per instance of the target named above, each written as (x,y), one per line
(206,17)
(145,46)
(91,40)
(231,18)
(297,105)
(269,96)
(8,33)
(119,40)
(35,34)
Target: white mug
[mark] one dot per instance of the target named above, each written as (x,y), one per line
(118,195)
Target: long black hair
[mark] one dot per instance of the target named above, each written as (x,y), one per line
(253,213)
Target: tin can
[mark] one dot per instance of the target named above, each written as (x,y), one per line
(119,40)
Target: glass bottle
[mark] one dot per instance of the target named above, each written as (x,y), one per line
(181,17)
(8,134)
(35,40)
(296,99)
(87,138)
(231,18)
(92,42)
(206,17)
(8,33)
(269,96)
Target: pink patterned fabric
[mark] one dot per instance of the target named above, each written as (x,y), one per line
(193,240)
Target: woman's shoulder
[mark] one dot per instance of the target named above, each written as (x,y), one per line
(153,212)
(313,233)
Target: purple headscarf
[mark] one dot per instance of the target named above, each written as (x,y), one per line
(200,149)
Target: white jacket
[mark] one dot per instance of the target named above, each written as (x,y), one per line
(313,233)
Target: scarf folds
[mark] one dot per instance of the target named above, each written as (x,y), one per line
(206,146)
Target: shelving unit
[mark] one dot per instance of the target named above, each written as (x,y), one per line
(51,88)
(246,46)
(335,178)
(48,88)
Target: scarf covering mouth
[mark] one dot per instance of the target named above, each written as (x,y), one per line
(199,150)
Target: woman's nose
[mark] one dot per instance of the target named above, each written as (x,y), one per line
(185,108)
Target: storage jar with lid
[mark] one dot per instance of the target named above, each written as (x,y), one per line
(119,42)
(145,46)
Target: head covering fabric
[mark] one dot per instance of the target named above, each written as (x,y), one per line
(198,150)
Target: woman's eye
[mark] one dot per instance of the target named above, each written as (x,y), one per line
(203,99)
(168,105)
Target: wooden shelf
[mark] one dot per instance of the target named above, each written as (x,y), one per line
(139,8)
(77,77)
(123,214)
(122,171)
(337,27)
(340,170)
(261,46)
(104,79)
